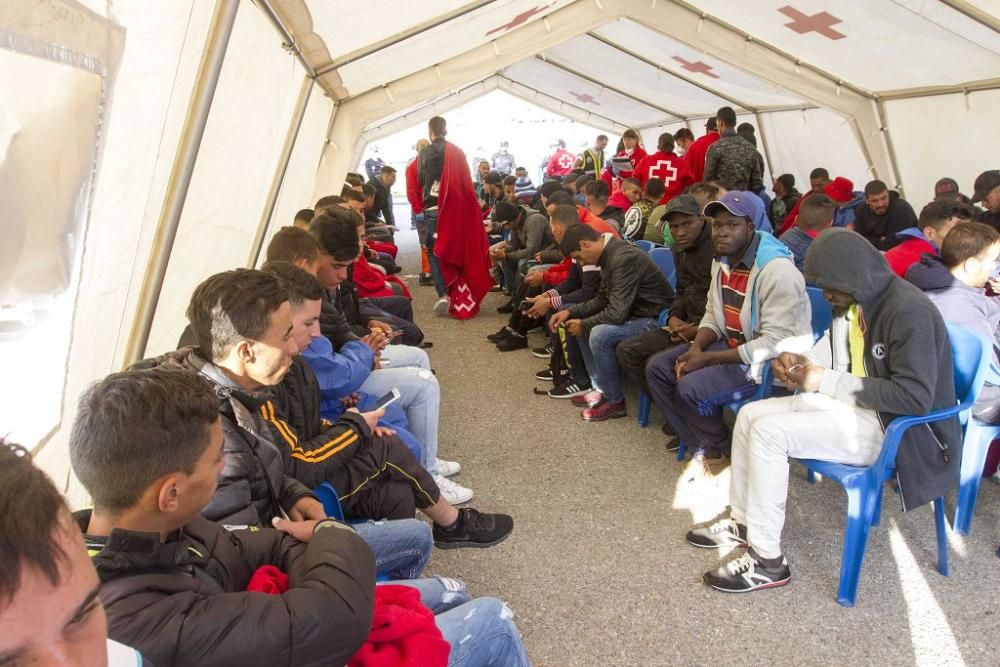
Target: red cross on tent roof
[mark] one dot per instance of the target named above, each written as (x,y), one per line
(586,99)
(697,67)
(519,19)
(821,23)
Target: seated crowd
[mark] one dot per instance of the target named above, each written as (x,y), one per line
(207,541)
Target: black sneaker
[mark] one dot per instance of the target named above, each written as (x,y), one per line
(506,309)
(748,573)
(721,534)
(500,335)
(426,280)
(569,389)
(474,529)
(544,374)
(665,430)
(536,329)
(542,352)
(513,342)
(673,444)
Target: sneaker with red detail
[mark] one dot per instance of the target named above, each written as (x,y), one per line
(589,399)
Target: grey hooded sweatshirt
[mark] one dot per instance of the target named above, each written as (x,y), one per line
(907,359)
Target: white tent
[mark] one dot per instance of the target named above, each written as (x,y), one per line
(146,145)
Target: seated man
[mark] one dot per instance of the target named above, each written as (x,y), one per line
(890,356)
(693,254)
(529,234)
(633,292)
(374,225)
(524,190)
(303,399)
(637,215)
(757,307)
(50,612)
(815,215)
(882,214)
(597,201)
(303,218)
(936,220)
(955,284)
(148,447)
(369,281)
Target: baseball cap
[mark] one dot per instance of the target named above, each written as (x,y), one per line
(945,186)
(734,201)
(493,178)
(685,204)
(840,190)
(985,183)
(712,124)
(505,212)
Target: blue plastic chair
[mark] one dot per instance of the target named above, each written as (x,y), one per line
(645,245)
(327,495)
(664,260)
(970,355)
(978,437)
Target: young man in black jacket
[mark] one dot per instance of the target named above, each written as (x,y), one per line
(632,294)
(889,355)
(882,215)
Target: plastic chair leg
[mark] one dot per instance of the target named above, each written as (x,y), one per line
(811,476)
(644,406)
(682,451)
(877,512)
(860,503)
(973,460)
(942,536)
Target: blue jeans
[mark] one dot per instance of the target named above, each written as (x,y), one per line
(400,356)
(401,547)
(420,399)
(598,350)
(430,234)
(481,632)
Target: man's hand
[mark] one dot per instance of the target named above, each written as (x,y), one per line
(538,257)
(690,361)
(376,341)
(383,431)
(558,319)
(534,278)
(371,418)
(681,331)
(786,361)
(499,254)
(350,401)
(375,324)
(307,508)
(300,530)
(574,327)
(540,305)
(804,378)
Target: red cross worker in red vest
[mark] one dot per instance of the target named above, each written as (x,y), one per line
(667,166)
(561,163)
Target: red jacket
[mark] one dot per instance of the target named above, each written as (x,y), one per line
(414,193)
(695,155)
(383,246)
(403,632)
(372,283)
(908,253)
(561,163)
(558,273)
(615,182)
(669,168)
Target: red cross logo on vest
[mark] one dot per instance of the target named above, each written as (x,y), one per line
(519,19)
(586,99)
(665,171)
(821,23)
(697,67)
(566,161)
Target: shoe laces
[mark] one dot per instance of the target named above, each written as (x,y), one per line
(723,526)
(445,485)
(475,520)
(742,565)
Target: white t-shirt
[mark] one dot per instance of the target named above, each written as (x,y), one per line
(120,655)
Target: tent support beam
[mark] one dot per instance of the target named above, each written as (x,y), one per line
(687,79)
(931,91)
(288,40)
(605,86)
(764,145)
(890,148)
(760,111)
(974,13)
(279,173)
(199,107)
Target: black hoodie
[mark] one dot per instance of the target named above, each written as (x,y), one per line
(907,358)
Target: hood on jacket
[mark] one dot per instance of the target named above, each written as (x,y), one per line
(841,260)
(930,274)
(619,200)
(770,249)
(191,359)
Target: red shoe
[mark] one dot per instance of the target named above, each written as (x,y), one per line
(604,410)
(590,399)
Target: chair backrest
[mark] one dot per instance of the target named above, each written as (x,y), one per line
(645,245)
(664,260)
(971,354)
(822,312)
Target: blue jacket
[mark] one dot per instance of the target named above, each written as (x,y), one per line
(844,215)
(760,221)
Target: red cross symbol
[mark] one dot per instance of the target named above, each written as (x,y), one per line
(822,23)
(519,19)
(586,99)
(665,171)
(697,67)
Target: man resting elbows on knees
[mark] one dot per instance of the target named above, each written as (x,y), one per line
(890,356)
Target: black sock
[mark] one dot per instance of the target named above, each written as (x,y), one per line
(453,526)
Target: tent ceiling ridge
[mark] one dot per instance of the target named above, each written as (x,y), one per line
(503,78)
(930,91)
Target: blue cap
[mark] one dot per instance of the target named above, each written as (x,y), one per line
(736,202)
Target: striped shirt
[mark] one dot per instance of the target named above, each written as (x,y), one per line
(734,292)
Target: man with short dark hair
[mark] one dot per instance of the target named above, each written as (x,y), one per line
(785,199)
(819,178)
(732,160)
(632,294)
(987,191)
(757,307)
(955,283)
(303,217)
(926,237)
(529,233)
(695,154)
(50,612)
(382,184)
(666,166)
(598,193)
(683,138)
(591,161)
(882,216)
(815,215)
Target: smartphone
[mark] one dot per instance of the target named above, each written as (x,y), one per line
(386,400)
(525,305)
(794,368)
(395,333)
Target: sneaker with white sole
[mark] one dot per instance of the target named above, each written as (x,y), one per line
(448,468)
(568,389)
(441,306)
(453,494)
(542,352)
(748,573)
(722,534)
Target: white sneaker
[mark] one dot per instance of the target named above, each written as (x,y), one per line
(441,307)
(454,494)
(448,468)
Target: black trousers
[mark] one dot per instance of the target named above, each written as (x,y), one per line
(633,353)
(383,481)
(396,311)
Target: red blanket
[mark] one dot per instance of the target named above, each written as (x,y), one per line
(461,246)
(403,633)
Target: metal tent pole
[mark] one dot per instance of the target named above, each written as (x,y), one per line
(279,174)
(198,110)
